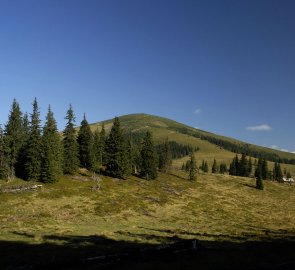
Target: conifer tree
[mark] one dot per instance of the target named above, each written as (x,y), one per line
(203,166)
(288,175)
(274,171)
(259,168)
(70,145)
(249,167)
(85,143)
(33,160)
(243,166)
(102,144)
(206,167)
(116,151)
(259,181)
(51,161)
(96,149)
(165,157)
(148,168)
(4,169)
(20,167)
(13,137)
(214,167)
(264,169)
(192,172)
(279,173)
(129,155)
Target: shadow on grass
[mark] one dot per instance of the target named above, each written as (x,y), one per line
(100,252)
(250,186)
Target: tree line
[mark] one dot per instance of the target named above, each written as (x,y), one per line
(32,152)
(238,148)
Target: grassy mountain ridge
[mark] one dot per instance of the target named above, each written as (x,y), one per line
(163,127)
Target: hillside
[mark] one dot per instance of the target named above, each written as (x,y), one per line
(163,128)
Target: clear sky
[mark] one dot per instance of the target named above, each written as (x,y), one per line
(223,66)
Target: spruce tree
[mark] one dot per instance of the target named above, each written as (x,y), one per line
(70,145)
(279,173)
(214,167)
(259,168)
(33,160)
(148,168)
(96,149)
(13,137)
(249,167)
(274,171)
(102,145)
(259,182)
(165,157)
(243,167)
(192,173)
(51,161)
(85,142)
(115,149)
(4,168)
(206,167)
(264,169)
(20,167)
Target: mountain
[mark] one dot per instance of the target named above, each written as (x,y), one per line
(211,145)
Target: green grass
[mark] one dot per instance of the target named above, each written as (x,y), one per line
(206,207)
(124,213)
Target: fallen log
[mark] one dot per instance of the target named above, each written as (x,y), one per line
(21,188)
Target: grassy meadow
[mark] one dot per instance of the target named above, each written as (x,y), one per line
(215,209)
(60,225)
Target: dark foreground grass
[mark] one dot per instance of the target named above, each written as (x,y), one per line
(62,224)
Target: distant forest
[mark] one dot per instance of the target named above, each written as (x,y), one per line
(237,148)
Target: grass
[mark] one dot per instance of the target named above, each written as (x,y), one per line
(215,208)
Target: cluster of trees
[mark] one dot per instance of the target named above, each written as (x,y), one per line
(241,167)
(221,168)
(32,152)
(26,149)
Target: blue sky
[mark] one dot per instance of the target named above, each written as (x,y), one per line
(223,66)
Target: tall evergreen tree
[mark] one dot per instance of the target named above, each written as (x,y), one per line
(165,157)
(13,137)
(33,161)
(214,167)
(250,166)
(51,161)
(116,151)
(192,172)
(4,168)
(279,173)
(20,166)
(102,144)
(96,149)
(70,145)
(148,168)
(264,169)
(259,181)
(85,142)
(243,166)
(206,167)
(234,166)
